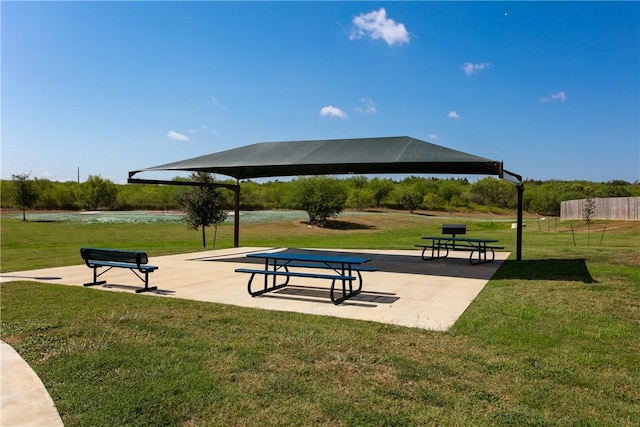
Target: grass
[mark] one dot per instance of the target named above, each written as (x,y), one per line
(552,340)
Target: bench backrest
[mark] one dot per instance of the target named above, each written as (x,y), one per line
(115,255)
(454,229)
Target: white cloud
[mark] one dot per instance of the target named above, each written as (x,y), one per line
(453,114)
(177,136)
(367,106)
(470,68)
(555,97)
(214,101)
(432,136)
(377,26)
(332,111)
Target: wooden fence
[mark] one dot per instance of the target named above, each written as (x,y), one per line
(618,208)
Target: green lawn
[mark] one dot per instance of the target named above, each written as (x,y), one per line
(551,340)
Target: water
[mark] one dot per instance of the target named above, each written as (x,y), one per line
(151,217)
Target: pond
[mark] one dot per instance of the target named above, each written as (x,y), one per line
(150,217)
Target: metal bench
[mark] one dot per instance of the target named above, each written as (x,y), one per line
(96,258)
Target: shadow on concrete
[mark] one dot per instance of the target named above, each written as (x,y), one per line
(30,277)
(134,288)
(405,264)
(317,295)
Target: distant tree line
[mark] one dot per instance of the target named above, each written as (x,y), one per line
(321,197)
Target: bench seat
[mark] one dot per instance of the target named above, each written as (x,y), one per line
(123,265)
(294,274)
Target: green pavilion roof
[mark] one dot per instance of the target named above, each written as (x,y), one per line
(386,155)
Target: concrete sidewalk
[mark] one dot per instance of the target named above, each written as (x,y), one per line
(24,401)
(405,291)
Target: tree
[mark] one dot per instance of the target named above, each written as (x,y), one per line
(321,197)
(98,193)
(380,188)
(203,205)
(493,192)
(24,194)
(449,190)
(359,195)
(588,210)
(411,199)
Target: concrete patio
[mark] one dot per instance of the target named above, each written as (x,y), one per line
(405,290)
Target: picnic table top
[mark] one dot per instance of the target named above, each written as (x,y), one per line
(462,239)
(289,256)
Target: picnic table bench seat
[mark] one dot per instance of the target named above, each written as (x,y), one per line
(294,274)
(96,258)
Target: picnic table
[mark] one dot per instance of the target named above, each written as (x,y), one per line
(441,245)
(343,269)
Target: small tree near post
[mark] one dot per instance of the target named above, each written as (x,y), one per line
(24,194)
(588,211)
(203,205)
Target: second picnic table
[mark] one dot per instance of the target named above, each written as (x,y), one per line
(445,244)
(344,269)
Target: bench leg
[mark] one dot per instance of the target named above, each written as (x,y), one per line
(146,284)
(95,278)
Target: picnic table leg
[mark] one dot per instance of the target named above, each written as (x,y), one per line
(474,249)
(345,269)
(359,282)
(344,283)
(274,284)
(435,250)
(482,254)
(266,285)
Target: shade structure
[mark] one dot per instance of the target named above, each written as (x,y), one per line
(383,155)
(386,155)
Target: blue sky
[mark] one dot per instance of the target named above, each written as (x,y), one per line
(552,89)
